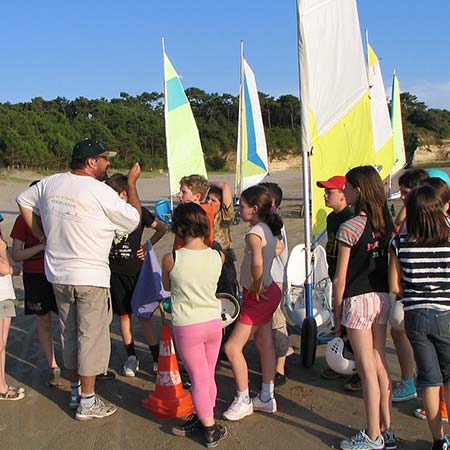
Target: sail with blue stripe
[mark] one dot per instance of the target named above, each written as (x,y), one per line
(251,159)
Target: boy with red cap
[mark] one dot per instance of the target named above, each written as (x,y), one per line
(335,199)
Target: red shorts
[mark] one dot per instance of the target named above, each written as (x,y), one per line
(259,313)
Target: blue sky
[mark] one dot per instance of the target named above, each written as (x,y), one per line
(100,48)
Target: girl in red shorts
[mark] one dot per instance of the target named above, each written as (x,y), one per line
(261,298)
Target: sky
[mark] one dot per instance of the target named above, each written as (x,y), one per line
(100,48)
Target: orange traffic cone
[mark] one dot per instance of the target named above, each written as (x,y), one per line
(169,400)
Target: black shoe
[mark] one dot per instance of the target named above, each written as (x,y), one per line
(106,376)
(280,379)
(212,435)
(190,427)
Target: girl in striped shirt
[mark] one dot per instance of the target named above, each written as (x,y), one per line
(419,272)
(361,301)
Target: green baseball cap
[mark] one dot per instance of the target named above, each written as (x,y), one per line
(88,148)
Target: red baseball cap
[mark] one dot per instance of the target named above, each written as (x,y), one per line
(336,182)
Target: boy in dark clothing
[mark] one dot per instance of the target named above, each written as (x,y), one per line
(335,199)
(125,262)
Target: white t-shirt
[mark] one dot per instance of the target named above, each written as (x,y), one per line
(268,243)
(280,261)
(79,215)
(6,288)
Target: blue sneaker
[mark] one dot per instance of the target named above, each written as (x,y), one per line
(405,390)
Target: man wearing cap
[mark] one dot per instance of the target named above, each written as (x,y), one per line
(79,216)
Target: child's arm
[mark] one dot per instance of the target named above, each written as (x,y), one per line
(160,231)
(227,195)
(395,285)
(257,265)
(7,264)
(167,266)
(279,248)
(19,253)
(339,284)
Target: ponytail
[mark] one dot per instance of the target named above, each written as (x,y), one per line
(259,196)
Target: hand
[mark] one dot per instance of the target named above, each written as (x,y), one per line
(141,253)
(134,173)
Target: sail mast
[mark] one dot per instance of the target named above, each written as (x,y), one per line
(166,123)
(238,180)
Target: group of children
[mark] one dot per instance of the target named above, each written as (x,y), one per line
(367,260)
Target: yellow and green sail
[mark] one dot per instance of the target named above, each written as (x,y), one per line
(184,149)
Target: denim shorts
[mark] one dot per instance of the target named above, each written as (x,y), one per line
(429,333)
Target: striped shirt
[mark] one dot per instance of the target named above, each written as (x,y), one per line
(425,274)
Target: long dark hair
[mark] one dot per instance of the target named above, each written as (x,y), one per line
(372,200)
(426,221)
(260,196)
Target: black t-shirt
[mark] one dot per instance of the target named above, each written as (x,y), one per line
(122,257)
(334,221)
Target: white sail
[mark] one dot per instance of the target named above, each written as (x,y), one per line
(251,157)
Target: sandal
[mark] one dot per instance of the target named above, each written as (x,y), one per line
(19,390)
(12,394)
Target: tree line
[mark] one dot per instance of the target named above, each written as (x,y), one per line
(41,133)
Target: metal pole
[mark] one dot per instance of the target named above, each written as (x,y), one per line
(306,193)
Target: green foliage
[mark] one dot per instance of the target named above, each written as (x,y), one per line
(40,134)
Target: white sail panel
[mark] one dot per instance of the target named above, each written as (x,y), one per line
(252,161)
(381,123)
(335,105)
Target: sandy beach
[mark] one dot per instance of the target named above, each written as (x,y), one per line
(313,413)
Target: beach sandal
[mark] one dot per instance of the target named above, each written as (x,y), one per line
(18,389)
(12,394)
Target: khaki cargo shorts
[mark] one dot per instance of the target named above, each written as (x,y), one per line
(85,314)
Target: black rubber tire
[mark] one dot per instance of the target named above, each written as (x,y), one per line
(308,344)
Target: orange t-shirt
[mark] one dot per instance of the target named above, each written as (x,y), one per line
(179,243)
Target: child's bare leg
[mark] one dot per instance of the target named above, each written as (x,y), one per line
(4,329)
(44,330)
(234,350)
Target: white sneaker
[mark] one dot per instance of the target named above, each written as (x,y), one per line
(238,409)
(268,407)
(131,366)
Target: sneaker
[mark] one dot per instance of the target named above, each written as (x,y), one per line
(421,414)
(354,384)
(360,441)
(155,367)
(329,374)
(280,379)
(212,435)
(131,366)
(106,376)
(268,407)
(190,427)
(405,390)
(74,401)
(442,445)
(54,378)
(390,440)
(238,409)
(97,411)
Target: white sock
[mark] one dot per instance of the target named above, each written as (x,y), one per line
(266,392)
(244,395)
(87,400)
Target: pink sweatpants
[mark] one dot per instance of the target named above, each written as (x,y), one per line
(198,346)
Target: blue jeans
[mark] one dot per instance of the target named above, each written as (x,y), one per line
(428,330)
